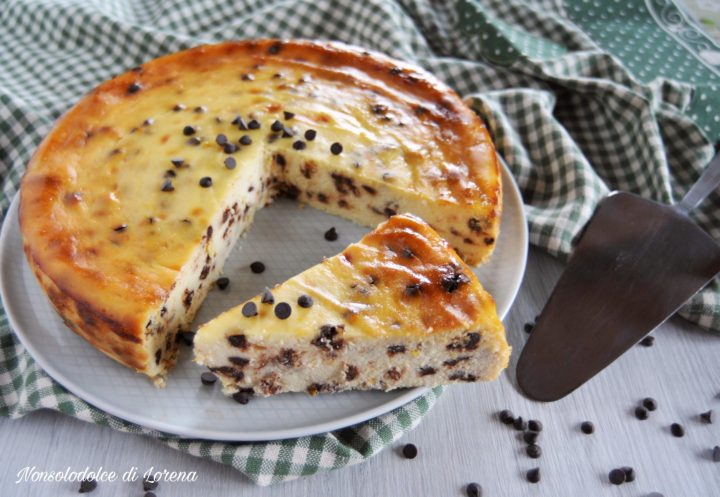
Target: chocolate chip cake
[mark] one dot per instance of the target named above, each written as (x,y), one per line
(133,201)
(397,309)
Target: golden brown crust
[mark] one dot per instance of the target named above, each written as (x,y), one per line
(68,269)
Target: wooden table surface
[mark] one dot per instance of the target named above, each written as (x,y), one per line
(460,440)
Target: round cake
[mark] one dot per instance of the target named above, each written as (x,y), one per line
(134,200)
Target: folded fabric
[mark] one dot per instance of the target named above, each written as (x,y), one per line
(580,97)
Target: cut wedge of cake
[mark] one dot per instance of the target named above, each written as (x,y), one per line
(397,309)
(133,201)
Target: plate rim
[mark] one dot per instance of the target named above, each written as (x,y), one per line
(239,436)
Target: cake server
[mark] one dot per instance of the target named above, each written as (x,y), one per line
(635,264)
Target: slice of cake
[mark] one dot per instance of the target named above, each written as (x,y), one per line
(397,309)
(134,200)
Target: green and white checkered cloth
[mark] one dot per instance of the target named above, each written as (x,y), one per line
(581,97)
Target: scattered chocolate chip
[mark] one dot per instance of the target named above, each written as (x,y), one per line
(208,378)
(249,309)
(194,141)
(221,139)
(240,123)
(87,485)
(241,397)
(245,140)
(283,310)
(247,77)
(473,490)
(299,145)
(535,425)
(677,430)
(310,134)
(506,416)
(649,403)
(396,349)
(257,267)
(287,132)
(706,417)
(200,109)
(239,341)
(276,126)
(134,88)
(529,327)
(410,451)
(629,473)
(533,451)
(641,413)
(331,235)
(149,483)
(648,341)
(170,174)
(617,476)
(413,289)
(253,124)
(167,186)
(305,301)
(267,297)
(178,107)
(336,148)
(530,437)
(520,424)
(149,121)
(451,282)
(716,454)
(177,162)
(222,282)
(587,427)
(533,475)
(288,115)
(230,148)
(230,163)
(121,228)
(189,130)
(206,182)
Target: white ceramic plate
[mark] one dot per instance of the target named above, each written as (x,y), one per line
(288,238)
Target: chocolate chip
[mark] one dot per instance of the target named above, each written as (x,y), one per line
(170,174)
(473,490)
(149,483)
(177,162)
(134,88)
(299,145)
(412,289)
(167,186)
(520,424)
(629,473)
(206,182)
(506,417)
(239,341)
(121,228)
(240,123)
(283,310)
(149,121)
(451,282)
(208,378)
(336,148)
(288,115)
(257,267)
(535,425)
(533,451)
(230,148)
(267,297)
(533,475)
(241,397)
(247,77)
(276,126)
(529,327)
(253,124)
(222,282)
(617,476)
(245,140)
(530,437)
(649,403)
(305,301)
(310,135)
(587,427)
(641,413)
(677,430)
(239,361)
(287,132)
(87,485)
(178,107)
(396,349)
(249,309)
(221,139)
(194,141)
(706,417)
(189,130)
(716,454)
(230,163)
(331,235)
(410,451)
(426,371)
(648,341)
(200,109)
